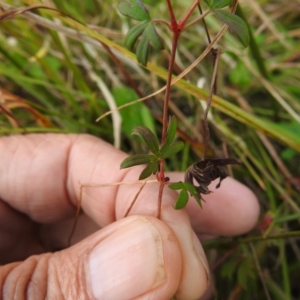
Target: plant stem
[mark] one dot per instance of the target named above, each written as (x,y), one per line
(234,6)
(216,54)
(172,16)
(165,117)
(254,48)
(260,238)
(187,15)
(211,92)
(176,29)
(162,22)
(260,272)
(168,86)
(204,24)
(196,20)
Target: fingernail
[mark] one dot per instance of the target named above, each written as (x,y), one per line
(127,263)
(200,253)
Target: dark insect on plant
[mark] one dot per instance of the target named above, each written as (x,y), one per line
(207,170)
(143,35)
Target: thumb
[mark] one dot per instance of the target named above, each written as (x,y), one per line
(136,257)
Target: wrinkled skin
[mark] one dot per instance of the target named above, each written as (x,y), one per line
(137,257)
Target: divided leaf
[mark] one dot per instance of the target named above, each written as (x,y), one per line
(182,200)
(148,137)
(150,169)
(134,9)
(192,190)
(176,185)
(142,50)
(237,25)
(134,33)
(171,132)
(153,37)
(149,36)
(185,188)
(137,159)
(171,150)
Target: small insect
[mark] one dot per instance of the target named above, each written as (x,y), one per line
(207,170)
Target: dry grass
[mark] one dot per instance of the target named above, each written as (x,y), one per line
(59,74)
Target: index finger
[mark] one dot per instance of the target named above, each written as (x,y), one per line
(48,171)
(42,175)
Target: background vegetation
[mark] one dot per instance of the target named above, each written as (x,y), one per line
(60,73)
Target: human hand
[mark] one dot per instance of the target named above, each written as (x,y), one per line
(138,257)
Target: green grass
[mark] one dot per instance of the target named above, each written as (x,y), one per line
(56,75)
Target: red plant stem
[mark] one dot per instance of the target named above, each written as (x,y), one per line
(168,86)
(160,193)
(187,15)
(176,28)
(172,16)
(166,116)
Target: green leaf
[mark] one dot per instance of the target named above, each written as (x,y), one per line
(142,50)
(151,2)
(182,200)
(137,10)
(189,187)
(215,4)
(208,2)
(176,185)
(185,187)
(153,37)
(172,149)
(192,190)
(236,25)
(146,116)
(148,137)
(137,159)
(149,36)
(134,9)
(134,33)
(133,115)
(150,169)
(170,134)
